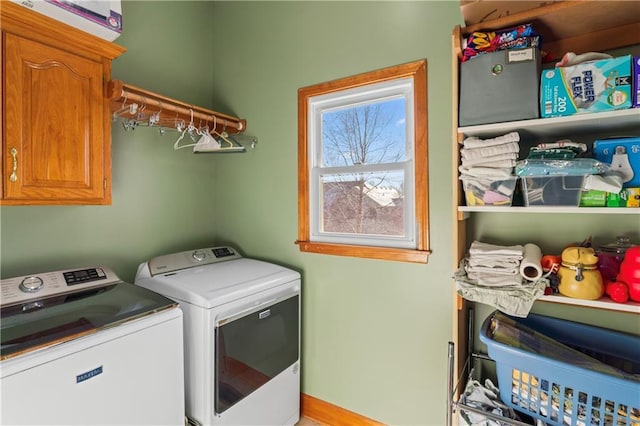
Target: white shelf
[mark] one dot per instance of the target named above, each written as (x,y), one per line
(626,120)
(551,209)
(603,303)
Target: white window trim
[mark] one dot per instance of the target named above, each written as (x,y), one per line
(363,95)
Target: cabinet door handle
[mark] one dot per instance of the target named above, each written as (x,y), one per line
(14,174)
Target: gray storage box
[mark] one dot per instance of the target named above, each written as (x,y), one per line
(500,86)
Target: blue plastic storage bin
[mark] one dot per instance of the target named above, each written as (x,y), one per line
(559,393)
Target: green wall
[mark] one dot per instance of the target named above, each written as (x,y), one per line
(162,199)
(375,332)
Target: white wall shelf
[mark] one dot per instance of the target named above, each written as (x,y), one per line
(602,303)
(551,209)
(625,120)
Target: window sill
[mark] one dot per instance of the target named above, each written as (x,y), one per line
(368,252)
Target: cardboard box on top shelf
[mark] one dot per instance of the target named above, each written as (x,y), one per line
(475,11)
(593,86)
(102,18)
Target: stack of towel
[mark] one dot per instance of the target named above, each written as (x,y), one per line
(493,265)
(489,159)
(497,153)
(490,274)
(487,166)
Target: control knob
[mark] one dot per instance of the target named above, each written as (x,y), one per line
(199,255)
(31,284)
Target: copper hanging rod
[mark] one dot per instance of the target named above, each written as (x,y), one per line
(122,95)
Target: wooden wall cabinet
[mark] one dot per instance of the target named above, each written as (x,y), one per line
(56,127)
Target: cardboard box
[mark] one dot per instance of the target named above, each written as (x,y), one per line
(593,86)
(475,11)
(500,86)
(635,75)
(102,18)
(628,197)
(593,198)
(623,154)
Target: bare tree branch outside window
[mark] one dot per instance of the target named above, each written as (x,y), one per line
(364,202)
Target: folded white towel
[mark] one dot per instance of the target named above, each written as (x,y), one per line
(486,161)
(489,151)
(496,280)
(474,142)
(495,173)
(478,247)
(497,164)
(494,261)
(493,270)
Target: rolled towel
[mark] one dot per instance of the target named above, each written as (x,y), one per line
(530,267)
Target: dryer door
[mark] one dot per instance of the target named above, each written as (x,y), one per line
(254,347)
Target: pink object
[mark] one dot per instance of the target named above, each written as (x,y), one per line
(492,197)
(630,272)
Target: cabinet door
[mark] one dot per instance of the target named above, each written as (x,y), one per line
(54,140)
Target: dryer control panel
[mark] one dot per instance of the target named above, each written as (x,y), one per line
(191,258)
(38,286)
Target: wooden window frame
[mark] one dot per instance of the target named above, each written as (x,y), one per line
(417,71)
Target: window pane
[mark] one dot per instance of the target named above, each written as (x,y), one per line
(363,203)
(367,133)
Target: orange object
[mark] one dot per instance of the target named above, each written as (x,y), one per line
(550,263)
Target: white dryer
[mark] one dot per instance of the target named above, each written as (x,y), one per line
(242,334)
(81,347)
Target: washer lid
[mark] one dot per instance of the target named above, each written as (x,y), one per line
(39,323)
(218,283)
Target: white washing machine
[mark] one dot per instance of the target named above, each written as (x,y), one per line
(242,334)
(81,347)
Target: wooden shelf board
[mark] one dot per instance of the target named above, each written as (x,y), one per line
(628,119)
(575,25)
(603,303)
(551,209)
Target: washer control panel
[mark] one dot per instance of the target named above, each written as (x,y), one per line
(33,287)
(191,258)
